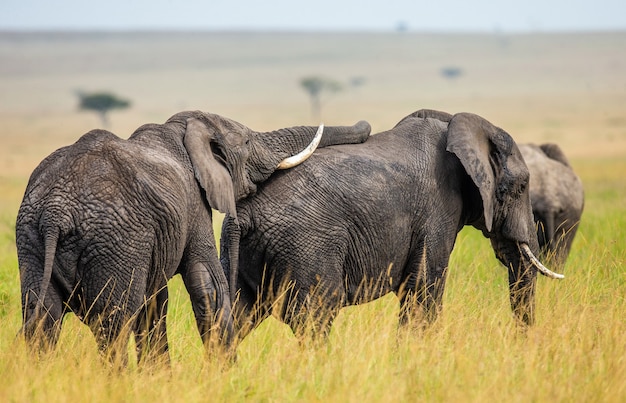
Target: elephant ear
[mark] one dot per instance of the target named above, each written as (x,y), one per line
(212,175)
(553,151)
(469,138)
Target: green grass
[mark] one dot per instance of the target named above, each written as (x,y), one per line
(575,352)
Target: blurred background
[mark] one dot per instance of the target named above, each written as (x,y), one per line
(550,70)
(543,70)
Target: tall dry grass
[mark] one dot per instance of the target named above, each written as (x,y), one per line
(575,352)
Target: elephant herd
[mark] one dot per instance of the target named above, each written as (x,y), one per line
(106,222)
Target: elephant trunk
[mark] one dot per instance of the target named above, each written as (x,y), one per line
(522,267)
(355,134)
(522,280)
(287,142)
(231,234)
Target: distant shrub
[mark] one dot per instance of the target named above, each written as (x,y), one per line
(451,72)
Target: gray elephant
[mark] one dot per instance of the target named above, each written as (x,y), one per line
(355,222)
(557,198)
(106,222)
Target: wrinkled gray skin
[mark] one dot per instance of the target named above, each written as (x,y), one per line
(557,198)
(106,222)
(355,222)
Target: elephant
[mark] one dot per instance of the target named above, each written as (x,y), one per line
(106,222)
(356,222)
(557,198)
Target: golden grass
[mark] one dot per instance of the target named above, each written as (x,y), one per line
(562,88)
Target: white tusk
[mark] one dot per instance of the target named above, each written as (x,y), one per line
(304,154)
(535,262)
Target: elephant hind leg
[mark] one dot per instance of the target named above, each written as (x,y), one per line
(112,330)
(311,325)
(210,300)
(42,323)
(310,315)
(151,329)
(249,311)
(111,314)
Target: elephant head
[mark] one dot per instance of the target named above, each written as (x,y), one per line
(241,158)
(493,161)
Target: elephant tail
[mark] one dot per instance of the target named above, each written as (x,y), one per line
(50,246)
(35,308)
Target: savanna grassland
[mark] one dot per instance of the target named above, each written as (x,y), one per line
(564,88)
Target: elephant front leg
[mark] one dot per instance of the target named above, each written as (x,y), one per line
(422,299)
(421,292)
(208,290)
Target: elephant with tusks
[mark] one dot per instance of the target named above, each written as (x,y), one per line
(355,222)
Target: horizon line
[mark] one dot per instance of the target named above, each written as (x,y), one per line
(170,30)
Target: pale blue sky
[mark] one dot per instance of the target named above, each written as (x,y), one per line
(343,15)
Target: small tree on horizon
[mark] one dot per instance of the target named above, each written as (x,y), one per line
(451,72)
(101,103)
(315,85)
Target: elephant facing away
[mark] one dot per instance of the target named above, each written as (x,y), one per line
(355,222)
(106,222)
(557,198)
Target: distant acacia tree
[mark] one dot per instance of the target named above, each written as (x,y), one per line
(101,103)
(315,85)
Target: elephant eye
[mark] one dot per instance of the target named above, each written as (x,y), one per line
(525,181)
(523,186)
(218,154)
